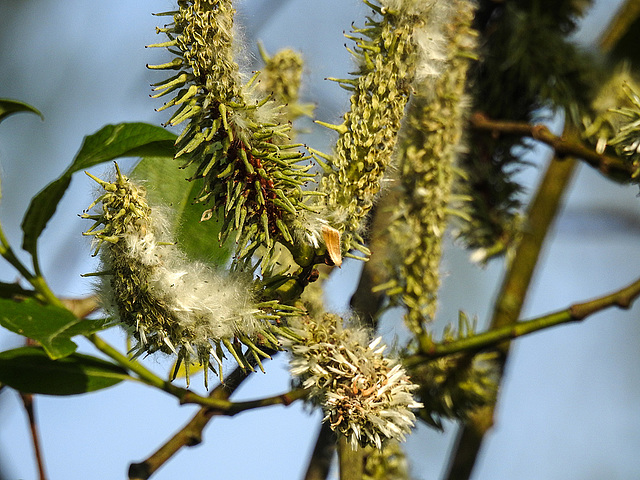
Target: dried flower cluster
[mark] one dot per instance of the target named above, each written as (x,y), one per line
(168,303)
(430,141)
(236,133)
(617,118)
(365,396)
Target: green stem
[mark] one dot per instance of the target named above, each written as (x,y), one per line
(219,406)
(41,286)
(36,262)
(542,212)
(144,374)
(351,461)
(7,253)
(622,298)
(37,281)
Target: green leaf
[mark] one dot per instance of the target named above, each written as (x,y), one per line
(9,107)
(109,143)
(123,140)
(167,185)
(51,326)
(30,370)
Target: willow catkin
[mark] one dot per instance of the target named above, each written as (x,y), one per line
(167,302)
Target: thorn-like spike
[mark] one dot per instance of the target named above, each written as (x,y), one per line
(341,129)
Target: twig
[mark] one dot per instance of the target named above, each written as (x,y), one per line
(622,298)
(227,408)
(618,27)
(189,435)
(219,406)
(320,462)
(145,375)
(27,400)
(563,146)
(36,280)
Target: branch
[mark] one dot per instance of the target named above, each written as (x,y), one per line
(622,298)
(36,280)
(350,461)
(608,165)
(320,462)
(220,406)
(191,434)
(225,407)
(27,400)
(620,24)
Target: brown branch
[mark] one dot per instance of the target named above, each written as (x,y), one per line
(27,400)
(620,24)
(563,146)
(320,462)
(226,408)
(191,434)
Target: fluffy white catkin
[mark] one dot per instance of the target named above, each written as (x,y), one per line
(170,304)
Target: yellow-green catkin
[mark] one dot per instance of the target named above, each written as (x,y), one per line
(282,77)
(385,50)
(430,141)
(454,386)
(389,463)
(236,134)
